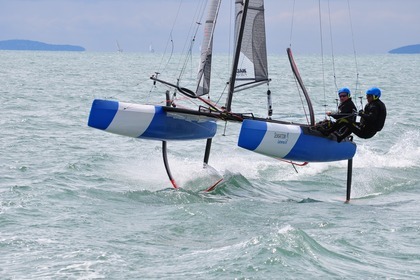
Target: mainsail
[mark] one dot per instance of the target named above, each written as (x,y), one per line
(250,67)
(203,77)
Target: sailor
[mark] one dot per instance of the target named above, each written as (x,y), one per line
(372,118)
(346,107)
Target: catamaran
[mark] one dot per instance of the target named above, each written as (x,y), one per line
(280,139)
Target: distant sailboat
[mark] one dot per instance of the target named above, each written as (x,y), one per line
(151,49)
(119,49)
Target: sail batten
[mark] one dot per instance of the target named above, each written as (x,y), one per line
(204,73)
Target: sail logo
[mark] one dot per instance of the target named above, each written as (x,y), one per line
(282,138)
(241,72)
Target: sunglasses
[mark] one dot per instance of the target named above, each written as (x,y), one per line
(369,95)
(342,96)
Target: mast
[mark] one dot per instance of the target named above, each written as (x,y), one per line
(237,53)
(302,86)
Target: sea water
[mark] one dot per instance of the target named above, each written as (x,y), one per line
(79,203)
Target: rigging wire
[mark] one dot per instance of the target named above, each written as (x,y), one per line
(170,41)
(186,53)
(291,25)
(332,46)
(356,88)
(301,100)
(322,51)
(199,14)
(294,77)
(188,56)
(354,50)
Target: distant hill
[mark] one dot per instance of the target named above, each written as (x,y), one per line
(27,45)
(407,49)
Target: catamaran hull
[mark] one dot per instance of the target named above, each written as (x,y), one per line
(288,141)
(149,121)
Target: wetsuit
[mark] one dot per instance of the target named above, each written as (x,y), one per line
(346,108)
(372,121)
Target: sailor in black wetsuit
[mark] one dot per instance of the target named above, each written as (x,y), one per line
(346,107)
(372,118)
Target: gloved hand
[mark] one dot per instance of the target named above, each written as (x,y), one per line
(361,113)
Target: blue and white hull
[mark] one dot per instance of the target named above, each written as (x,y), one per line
(291,142)
(149,121)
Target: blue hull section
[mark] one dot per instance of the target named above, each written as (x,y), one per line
(102,113)
(287,141)
(149,122)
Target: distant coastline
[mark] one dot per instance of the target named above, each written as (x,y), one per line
(410,49)
(28,45)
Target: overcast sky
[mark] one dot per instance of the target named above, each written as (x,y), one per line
(378,25)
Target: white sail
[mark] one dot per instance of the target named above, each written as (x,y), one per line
(203,77)
(118,47)
(252,66)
